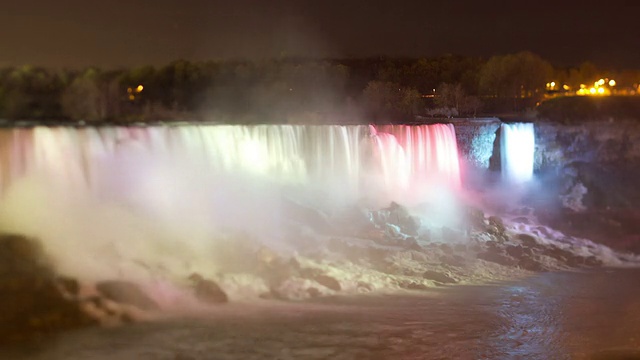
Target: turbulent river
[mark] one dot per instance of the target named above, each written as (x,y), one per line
(559,315)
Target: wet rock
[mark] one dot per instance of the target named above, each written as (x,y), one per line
(460,248)
(496,225)
(575,261)
(399,216)
(207,290)
(412,285)
(454,260)
(517,251)
(125,292)
(412,244)
(528,263)
(475,218)
(592,261)
(557,253)
(497,258)
(308,216)
(69,285)
(31,301)
(439,277)
(310,273)
(493,246)
(363,286)
(327,281)
(527,240)
(446,248)
(313,292)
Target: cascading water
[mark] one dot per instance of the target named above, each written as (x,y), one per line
(122,195)
(517,147)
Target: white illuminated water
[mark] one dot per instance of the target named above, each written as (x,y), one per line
(349,161)
(108,201)
(517,147)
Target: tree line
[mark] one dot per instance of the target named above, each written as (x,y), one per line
(275,90)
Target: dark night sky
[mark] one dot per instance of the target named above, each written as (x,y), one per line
(74,33)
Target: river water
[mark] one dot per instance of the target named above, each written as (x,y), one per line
(562,315)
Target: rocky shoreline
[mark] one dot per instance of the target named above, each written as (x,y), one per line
(387,251)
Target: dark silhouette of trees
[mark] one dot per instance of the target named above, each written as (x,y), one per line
(388,98)
(279,89)
(515,76)
(453,99)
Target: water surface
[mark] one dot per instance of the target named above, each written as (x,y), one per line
(568,315)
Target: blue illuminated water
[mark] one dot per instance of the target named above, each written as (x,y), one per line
(517,147)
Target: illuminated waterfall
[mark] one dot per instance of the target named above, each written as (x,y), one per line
(108,201)
(517,146)
(347,161)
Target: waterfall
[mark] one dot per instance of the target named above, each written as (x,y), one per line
(517,146)
(108,201)
(353,161)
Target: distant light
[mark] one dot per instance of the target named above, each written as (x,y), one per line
(612,82)
(566,87)
(600,90)
(600,82)
(553,84)
(132,97)
(139,88)
(592,90)
(583,86)
(129,90)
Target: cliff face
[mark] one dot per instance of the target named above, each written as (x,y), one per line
(476,138)
(588,175)
(602,142)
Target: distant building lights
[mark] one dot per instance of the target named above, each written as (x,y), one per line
(612,83)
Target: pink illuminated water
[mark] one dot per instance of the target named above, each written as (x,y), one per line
(348,161)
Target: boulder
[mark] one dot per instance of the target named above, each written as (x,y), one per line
(412,285)
(207,290)
(517,251)
(454,260)
(496,225)
(497,258)
(327,281)
(32,302)
(126,292)
(399,216)
(527,240)
(438,277)
(528,263)
(474,217)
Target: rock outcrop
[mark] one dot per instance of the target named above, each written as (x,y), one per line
(34,301)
